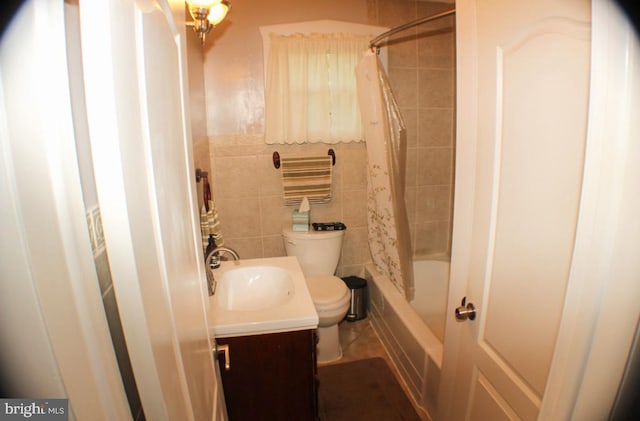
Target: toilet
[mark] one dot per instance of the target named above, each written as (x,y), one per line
(318,253)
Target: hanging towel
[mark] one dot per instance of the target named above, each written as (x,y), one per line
(204,228)
(214,224)
(308,177)
(210,225)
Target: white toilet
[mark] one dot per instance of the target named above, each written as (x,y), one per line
(318,253)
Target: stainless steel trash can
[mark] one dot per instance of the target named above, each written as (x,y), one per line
(358,306)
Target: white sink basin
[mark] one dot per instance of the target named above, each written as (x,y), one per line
(254,288)
(260,296)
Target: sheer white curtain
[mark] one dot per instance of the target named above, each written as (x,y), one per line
(311,89)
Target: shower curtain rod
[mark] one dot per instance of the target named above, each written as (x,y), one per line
(374,42)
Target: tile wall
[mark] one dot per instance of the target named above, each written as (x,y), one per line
(422,76)
(247,188)
(248,194)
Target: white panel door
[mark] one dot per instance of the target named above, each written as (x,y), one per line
(133,59)
(523,86)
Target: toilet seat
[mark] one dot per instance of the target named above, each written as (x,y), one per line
(327,292)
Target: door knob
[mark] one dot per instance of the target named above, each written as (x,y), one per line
(465,311)
(222,349)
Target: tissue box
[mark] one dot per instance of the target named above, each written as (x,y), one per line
(300,221)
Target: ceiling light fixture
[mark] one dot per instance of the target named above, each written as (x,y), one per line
(206,15)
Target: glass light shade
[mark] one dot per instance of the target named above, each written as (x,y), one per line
(206,4)
(218,12)
(196,7)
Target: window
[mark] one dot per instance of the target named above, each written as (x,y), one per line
(310,88)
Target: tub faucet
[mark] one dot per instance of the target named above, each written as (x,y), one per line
(212,261)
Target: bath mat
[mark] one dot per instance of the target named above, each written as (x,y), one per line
(362,390)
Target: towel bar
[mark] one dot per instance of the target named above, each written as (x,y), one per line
(276,158)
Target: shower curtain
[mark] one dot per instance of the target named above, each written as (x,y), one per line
(385,136)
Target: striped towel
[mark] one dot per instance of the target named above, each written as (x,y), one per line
(210,225)
(308,177)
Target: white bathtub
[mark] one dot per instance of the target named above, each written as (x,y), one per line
(415,349)
(431,287)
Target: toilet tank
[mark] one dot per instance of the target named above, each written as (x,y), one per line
(318,252)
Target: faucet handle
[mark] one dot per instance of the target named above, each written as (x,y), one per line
(213,260)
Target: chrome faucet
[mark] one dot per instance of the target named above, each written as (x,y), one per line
(213,260)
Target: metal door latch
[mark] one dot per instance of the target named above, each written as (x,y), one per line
(465,311)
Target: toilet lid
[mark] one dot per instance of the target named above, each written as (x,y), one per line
(326,289)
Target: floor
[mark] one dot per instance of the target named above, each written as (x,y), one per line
(359,341)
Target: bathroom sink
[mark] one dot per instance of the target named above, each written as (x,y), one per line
(254,288)
(260,296)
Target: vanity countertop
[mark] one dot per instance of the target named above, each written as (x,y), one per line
(296,313)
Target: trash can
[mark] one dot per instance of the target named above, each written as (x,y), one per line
(358,306)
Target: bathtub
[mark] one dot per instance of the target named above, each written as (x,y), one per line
(431,287)
(402,327)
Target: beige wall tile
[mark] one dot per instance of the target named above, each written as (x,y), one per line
(403,50)
(269,177)
(435,127)
(231,178)
(273,246)
(403,83)
(355,249)
(434,166)
(426,8)
(435,88)
(436,48)
(352,162)
(247,248)
(239,218)
(274,215)
(410,195)
(432,203)
(432,238)
(354,213)
(411,167)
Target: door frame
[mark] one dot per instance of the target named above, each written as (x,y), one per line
(601,306)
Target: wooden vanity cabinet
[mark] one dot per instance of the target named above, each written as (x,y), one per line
(272,376)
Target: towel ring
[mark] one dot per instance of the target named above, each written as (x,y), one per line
(276,158)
